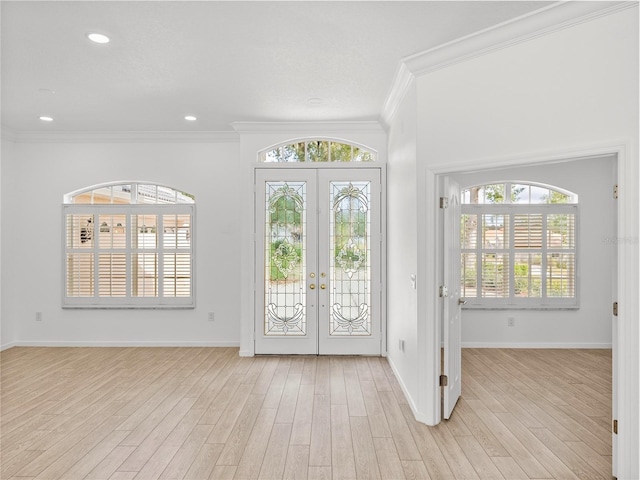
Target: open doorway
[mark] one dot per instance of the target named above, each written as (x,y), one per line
(591,323)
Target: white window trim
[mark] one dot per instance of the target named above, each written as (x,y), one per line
(129,301)
(513,302)
(330,161)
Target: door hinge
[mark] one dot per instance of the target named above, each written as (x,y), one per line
(615,309)
(443,291)
(615,427)
(444,202)
(444,380)
(615,191)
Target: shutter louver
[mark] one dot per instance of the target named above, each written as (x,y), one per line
(135,254)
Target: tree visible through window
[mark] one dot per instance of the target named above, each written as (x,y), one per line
(128,245)
(317,150)
(519,246)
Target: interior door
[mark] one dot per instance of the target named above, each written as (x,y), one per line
(318,250)
(452,301)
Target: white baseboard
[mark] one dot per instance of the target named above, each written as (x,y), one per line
(7,346)
(125,344)
(407,396)
(535,345)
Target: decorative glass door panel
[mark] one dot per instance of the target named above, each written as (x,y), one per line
(285,252)
(349,258)
(286,259)
(318,261)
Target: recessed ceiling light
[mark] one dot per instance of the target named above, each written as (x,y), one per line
(45,118)
(190,118)
(98,38)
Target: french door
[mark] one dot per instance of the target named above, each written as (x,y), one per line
(318,280)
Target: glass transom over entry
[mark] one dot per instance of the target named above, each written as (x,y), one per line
(318,261)
(317,150)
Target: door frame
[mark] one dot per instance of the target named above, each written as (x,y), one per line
(382,167)
(625,342)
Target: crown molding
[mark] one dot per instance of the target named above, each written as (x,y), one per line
(550,19)
(315,128)
(120,137)
(401,83)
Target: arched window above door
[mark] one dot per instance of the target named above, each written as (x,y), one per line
(317,150)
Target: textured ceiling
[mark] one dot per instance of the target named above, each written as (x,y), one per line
(221,61)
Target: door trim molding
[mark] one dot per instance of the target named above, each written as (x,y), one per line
(247,323)
(628,285)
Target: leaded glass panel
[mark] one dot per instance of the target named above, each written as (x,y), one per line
(349,258)
(285,258)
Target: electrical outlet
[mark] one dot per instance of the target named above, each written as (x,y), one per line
(511,322)
(38,316)
(210,317)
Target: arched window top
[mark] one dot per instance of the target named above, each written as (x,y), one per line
(128,193)
(317,150)
(514,192)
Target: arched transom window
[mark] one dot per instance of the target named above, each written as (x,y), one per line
(519,244)
(128,245)
(317,150)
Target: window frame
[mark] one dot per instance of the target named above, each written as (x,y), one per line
(129,210)
(263,154)
(543,302)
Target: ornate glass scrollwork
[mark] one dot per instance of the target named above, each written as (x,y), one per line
(285,258)
(350,269)
(350,324)
(351,191)
(350,257)
(285,246)
(285,324)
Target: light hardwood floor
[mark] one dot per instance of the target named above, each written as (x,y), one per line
(200,413)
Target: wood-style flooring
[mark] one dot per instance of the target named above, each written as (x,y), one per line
(206,413)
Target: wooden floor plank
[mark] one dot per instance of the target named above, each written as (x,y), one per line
(363,450)
(342,457)
(206,413)
(303,417)
(320,447)
(275,457)
(388,459)
(239,436)
(253,454)
(407,449)
(297,465)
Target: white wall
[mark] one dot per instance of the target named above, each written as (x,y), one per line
(573,90)
(570,91)
(35,176)
(402,248)
(590,325)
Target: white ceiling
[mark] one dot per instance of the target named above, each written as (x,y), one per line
(221,61)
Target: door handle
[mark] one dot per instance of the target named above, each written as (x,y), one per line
(312,286)
(323,286)
(462,301)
